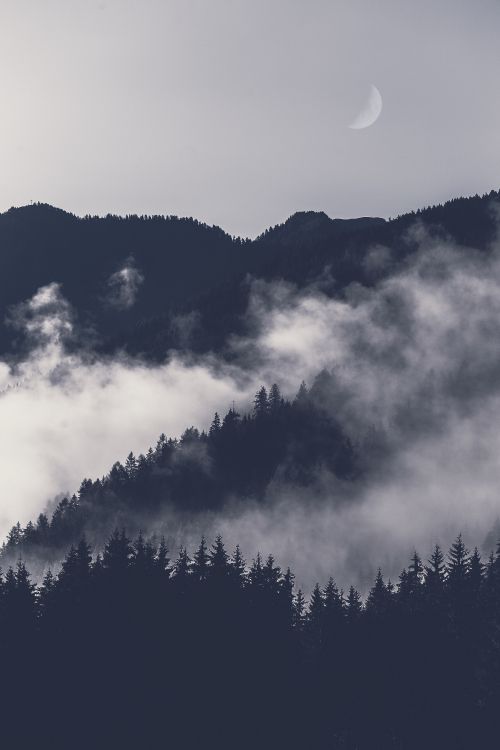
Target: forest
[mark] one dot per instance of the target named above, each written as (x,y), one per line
(109,639)
(237,457)
(122,648)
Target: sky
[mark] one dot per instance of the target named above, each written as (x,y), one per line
(237,112)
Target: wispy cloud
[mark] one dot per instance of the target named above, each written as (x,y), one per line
(123,286)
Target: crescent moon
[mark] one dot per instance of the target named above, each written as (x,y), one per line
(370,112)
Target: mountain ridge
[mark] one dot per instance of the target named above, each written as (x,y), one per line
(179,265)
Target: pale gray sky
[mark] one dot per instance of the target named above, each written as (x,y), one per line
(237,111)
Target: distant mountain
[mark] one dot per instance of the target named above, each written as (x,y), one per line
(309,247)
(304,226)
(150,283)
(176,260)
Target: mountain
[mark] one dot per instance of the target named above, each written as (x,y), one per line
(147,284)
(176,258)
(171,261)
(310,247)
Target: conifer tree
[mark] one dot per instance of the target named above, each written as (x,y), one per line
(131,466)
(302,394)
(434,577)
(200,562)
(182,566)
(286,589)
(271,575)
(275,400)
(476,575)
(117,555)
(354,606)
(46,593)
(255,574)
(215,426)
(218,560)
(237,567)
(333,604)
(162,560)
(299,605)
(315,617)
(261,403)
(458,566)
(379,597)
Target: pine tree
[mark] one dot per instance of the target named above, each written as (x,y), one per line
(83,558)
(143,558)
(458,566)
(299,605)
(261,403)
(286,589)
(415,572)
(230,421)
(182,566)
(215,426)
(379,598)
(162,560)
(117,555)
(42,528)
(237,567)
(200,562)
(476,575)
(131,466)
(271,575)
(333,604)
(315,613)
(19,603)
(218,560)
(47,593)
(275,400)
(435,571)
(302,394)
(15,536)
(354,606)
(255,574)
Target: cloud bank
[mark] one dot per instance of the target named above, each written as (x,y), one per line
(415,380)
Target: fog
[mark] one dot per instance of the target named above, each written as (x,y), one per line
(415,361)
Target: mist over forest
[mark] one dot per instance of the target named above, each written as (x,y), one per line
(251,478)
(249,375)
(391,327)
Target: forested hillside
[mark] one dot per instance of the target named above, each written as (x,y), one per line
(118,272)
(237,458)
(308,249)
(148,284)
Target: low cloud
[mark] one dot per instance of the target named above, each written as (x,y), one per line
(414,365)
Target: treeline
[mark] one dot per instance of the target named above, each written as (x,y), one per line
(131,649)
(238,456)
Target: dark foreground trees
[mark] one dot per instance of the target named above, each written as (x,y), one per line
(132,649)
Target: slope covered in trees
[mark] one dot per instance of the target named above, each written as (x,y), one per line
(237,458)
(193,291)
(308,249)
(173,261)
(133,649)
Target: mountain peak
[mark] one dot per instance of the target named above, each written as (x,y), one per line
(314,225)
